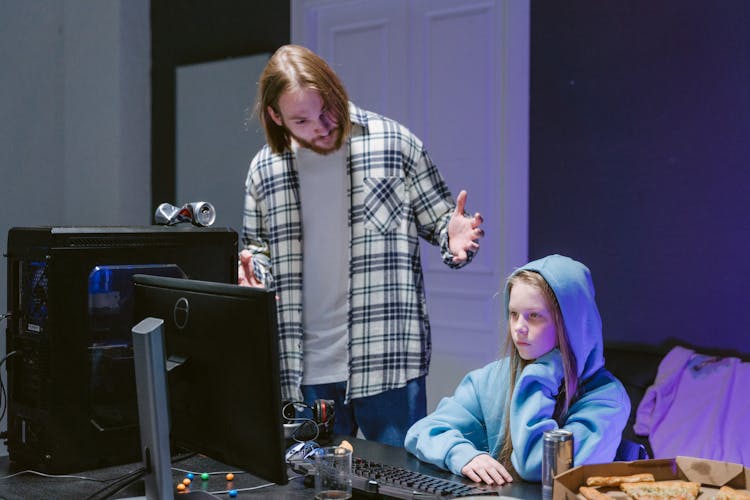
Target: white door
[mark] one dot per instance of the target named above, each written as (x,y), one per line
(455,73)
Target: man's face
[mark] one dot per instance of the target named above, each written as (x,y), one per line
(302,113)
(532,324)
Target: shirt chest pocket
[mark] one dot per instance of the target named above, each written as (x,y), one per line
(383,203)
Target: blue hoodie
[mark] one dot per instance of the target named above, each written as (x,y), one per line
(472,421)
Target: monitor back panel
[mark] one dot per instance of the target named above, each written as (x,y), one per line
(223,380)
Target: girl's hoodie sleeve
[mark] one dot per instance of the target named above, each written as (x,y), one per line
(455,432)
(596,419)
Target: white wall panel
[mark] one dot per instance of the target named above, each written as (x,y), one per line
(364,41)
(456,73)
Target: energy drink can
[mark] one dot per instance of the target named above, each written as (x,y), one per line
(200,213)
(557,455)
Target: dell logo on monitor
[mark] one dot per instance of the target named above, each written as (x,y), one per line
(181,312)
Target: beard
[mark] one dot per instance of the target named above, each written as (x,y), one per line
(321,150)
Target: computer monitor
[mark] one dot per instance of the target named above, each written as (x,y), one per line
(222,362)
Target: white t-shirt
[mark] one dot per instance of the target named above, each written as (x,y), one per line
(325,269)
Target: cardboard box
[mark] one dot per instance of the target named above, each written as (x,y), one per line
(712,474)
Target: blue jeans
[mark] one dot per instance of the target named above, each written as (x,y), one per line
(384,417)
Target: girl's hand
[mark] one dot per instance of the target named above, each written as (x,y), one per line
(485,469)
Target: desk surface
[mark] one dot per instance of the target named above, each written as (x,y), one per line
(89,483)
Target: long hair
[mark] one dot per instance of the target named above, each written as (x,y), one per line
(569,388)
(293,67)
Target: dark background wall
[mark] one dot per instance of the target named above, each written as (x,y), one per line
(185,32)
(640,162)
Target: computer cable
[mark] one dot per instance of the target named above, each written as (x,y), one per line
(301,428)
(3,394)
(54,476)
(237,490)
(190,474)
(215,473)
(116,484)
(77,478)
(119,483)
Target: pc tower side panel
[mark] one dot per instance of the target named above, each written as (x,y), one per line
(71,395)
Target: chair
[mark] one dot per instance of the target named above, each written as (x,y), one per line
(630,450)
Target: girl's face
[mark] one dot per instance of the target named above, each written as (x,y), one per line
(532,325)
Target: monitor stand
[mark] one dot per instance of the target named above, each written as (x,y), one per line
(153,411)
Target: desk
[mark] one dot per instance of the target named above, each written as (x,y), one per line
(27,486)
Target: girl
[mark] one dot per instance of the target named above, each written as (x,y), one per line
(552,377)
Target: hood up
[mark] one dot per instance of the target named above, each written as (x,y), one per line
(574,289)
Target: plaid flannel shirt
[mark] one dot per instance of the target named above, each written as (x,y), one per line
(396,194)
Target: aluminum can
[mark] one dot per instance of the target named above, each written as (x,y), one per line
(200,213)
(557,455)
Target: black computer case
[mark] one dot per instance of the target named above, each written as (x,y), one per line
(71,386)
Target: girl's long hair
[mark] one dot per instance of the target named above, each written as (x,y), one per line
(569,388)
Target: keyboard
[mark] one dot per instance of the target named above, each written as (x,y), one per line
(380,479)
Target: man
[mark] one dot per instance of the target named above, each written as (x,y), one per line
(334,206)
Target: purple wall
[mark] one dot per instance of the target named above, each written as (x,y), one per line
(640,162)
